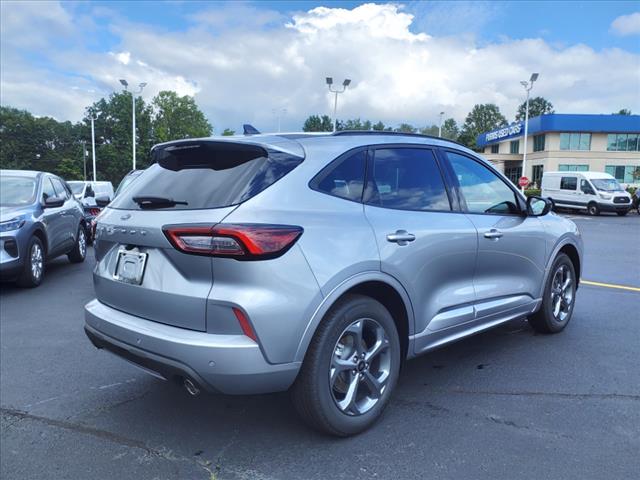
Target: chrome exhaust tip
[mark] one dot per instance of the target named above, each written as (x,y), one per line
(191,387)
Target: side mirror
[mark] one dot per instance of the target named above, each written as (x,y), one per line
(538,206)
(588,191)
(53,202)
(102,201)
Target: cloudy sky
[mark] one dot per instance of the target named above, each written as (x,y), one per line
(244,60)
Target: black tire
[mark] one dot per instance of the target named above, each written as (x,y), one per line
(593,209)
(34,265)
(79,252)
(314,395)
(546,320)
(622,213)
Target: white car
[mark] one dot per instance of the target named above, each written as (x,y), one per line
(91,190)
(594,192)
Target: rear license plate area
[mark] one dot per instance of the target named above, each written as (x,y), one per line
(130,266)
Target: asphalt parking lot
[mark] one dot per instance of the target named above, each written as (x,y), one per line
(503,404)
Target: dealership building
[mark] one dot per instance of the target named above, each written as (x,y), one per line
(560,142)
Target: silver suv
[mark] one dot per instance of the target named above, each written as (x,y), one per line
(320,263)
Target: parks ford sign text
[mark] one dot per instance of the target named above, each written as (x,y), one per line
(505,132)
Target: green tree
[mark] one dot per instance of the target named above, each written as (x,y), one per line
(482,118)
(379,127)
(315,123)
(227,132)
(432,130)
(450,129)
(623,111)
(177,117)
(405,128)
(113,135)
(537,106)
(70,168)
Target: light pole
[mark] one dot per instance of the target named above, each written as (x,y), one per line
(279,112)
(93,145)
(345,84)
(133,116)
(84,161)
(440,125)
(527,86)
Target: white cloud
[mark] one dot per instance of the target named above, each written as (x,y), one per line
(398,73)
(626,24)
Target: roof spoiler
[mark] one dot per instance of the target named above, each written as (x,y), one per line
(249,129)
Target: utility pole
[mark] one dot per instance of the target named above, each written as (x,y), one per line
(93,146)
(133,117)
(440,125)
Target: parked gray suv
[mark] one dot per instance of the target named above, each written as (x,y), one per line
(39,219)
(320,263)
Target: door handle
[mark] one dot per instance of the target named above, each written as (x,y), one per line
(493,234)
(401,237)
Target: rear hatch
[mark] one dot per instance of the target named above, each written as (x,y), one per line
(194,183)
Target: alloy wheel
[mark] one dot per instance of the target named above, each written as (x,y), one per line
(82,242)
(561,293)
(360,367)
(37,261)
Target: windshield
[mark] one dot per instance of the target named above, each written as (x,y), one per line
(606,184)
(17,191)
(76,187)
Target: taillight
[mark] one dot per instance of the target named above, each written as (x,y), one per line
(94,211)
(239,241)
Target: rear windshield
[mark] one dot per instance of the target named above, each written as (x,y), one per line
(206,177)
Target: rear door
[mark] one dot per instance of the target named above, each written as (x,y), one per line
(191,184)
(69,220)
(511,245)
(53,219)
(423,241)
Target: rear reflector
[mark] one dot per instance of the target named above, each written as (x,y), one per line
(240,241)
(244,324)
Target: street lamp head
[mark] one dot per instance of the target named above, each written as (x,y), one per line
(143,84)
(329,81)
(346,83)
(124,83)
(441,113)
(524,84)
(534,77)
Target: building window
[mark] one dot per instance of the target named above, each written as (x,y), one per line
(495,148)
(538,143)
(514,146)
(623,142)
(575,141)
(513,174)
(573,168)
(624,173)
(538,170)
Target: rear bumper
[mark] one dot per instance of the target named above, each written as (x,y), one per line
(230,364)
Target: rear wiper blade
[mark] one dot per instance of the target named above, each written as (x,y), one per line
(157,202)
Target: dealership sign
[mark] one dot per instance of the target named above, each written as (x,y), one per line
(513,130)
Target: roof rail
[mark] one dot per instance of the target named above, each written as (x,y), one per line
(387,132)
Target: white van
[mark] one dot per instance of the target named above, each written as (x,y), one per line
(594,192)
(91,190)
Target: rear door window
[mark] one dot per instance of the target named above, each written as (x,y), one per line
(344,179)
(207,175)
(406,179)
(568,183)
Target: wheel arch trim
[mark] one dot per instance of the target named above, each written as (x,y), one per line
(334,295)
